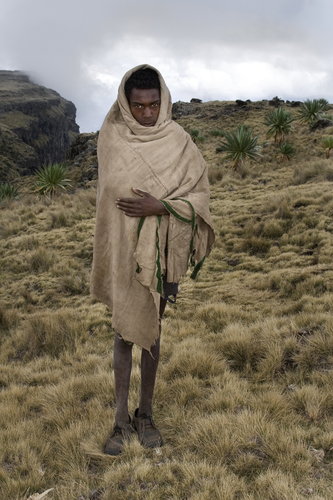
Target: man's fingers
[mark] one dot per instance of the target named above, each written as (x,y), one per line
(129,203)
(130,207)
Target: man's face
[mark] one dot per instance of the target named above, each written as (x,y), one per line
(145,106)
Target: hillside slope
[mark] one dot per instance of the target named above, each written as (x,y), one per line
(37,125)
(243,394)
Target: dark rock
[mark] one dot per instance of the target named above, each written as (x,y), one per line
(81,144)
(320,124)
(295,104)
(241,103)
(181,108)
(196,101)
(276,101)
(233,262)
(37,125)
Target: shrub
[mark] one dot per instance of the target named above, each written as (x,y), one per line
(51,179)
(240,146)
(325,104)
(279,122)
(8,191)
(311,111)
(327,143)
(194,133)
(287,151)
(216,133)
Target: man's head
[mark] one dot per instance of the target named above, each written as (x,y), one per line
(142,90)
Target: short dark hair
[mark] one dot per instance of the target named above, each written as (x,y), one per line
(146,78)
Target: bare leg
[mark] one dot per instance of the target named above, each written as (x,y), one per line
(122,365)
(149,364)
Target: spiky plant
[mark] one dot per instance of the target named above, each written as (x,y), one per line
(325,104)
(194,133)
(240,146)
(51,179)
(8,191)
(217,133)
(287,150)
(311,111)
(279,122)
(327,143)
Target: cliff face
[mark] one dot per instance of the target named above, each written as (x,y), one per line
(37,125)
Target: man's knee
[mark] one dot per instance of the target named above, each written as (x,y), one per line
(121,343)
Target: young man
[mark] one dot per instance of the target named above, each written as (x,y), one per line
(152,218)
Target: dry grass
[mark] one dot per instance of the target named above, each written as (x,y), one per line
(243,395)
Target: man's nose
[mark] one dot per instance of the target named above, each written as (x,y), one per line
(147,112)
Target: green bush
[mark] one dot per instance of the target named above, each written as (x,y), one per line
(311,111)
(240,146)
(51,179)
(216,133)
(279,122)
(8,191)
(194,133)
(287,151)
(327,143)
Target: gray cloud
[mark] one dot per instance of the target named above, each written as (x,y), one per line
(251,49)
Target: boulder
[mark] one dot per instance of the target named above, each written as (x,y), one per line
(295,104)
(181,108)
(276,101)
(241,103)
(321,124)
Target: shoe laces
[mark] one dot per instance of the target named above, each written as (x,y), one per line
(147,417)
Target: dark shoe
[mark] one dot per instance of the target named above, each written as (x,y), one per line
(149,435)
(121,433)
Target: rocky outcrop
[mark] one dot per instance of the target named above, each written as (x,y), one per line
(276,102)
(37,125)
(321,124)
(82,159)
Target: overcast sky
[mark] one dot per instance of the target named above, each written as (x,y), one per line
(214,50)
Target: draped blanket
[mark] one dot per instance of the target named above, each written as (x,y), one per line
(129,252)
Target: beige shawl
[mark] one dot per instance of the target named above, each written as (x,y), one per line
(129,252)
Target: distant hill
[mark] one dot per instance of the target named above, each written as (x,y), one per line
(210,120)
(37,125)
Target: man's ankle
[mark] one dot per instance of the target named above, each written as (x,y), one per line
(123,417)
(145,410)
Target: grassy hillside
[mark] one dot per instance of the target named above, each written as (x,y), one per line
(243,396)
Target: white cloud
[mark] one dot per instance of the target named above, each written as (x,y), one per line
(222,49)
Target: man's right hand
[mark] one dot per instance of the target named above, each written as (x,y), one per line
(141,207)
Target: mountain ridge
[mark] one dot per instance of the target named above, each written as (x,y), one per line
(37,125)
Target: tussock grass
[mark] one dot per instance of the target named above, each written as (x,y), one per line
(319,170)
(243,393)
(40,260)
(48,333)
